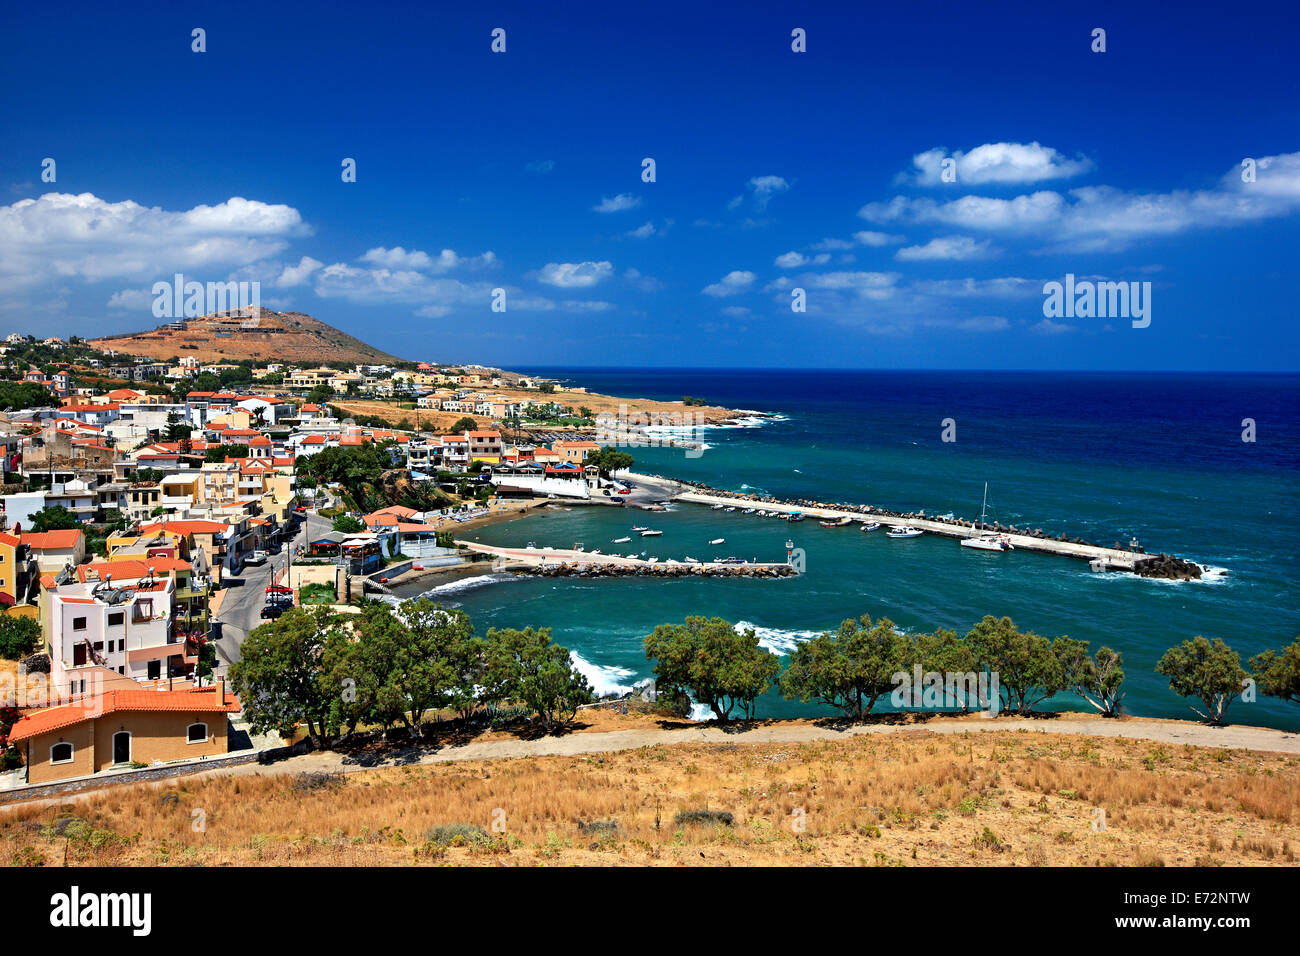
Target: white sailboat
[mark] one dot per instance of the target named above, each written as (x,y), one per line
(986,540)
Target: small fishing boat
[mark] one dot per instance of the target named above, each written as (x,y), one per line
(904,531)
(871,526)
(718,507)
(639,528)
(837,523)
(748,511)
(718,541)
(690,560)
(795,516)
(729,560)
(621,540)
(651,534)
(731,509)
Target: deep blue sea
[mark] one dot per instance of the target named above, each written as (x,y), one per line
(1105,457)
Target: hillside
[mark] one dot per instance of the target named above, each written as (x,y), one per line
(260,335)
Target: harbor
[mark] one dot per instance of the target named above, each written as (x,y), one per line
(843,518)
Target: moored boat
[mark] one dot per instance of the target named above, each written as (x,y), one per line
(904,531)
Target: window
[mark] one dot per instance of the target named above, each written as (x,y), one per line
(61,753)
(116,619)
(196,734)
(78,623)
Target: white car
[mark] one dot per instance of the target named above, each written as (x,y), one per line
(257,557)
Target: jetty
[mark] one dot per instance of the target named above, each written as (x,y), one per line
(1099,558)
(566,561)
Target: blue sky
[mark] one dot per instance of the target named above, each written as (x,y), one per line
(775,170)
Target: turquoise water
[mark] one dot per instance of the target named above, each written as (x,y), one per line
(1104,458)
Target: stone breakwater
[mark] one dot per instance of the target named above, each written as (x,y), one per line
(667,570)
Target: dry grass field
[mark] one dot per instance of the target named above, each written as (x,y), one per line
(912,798)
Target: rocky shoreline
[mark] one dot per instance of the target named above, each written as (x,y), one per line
(674,570)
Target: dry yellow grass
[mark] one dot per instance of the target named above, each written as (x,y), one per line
(914,798)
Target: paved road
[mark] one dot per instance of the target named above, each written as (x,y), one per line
(242,606)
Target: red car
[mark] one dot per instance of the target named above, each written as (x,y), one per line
(278,589)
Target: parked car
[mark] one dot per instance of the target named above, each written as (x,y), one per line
(278,589)
(257,557)
(272,611)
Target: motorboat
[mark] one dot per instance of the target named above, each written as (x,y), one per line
(651,534)
(718,541)
(623,540)
(690,560)
(837,523)
(639,528)
(795,516)
(748,511)
(717,507)
(904,531)
(871,526)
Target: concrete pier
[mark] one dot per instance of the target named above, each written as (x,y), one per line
(1115,560)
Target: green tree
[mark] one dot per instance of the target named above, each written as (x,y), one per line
(1027,668)
(319,395)
(720,667)
(219,453)
(1096,679)
(423,671)
(943,652)
(54,518)
(18,636)
(1208,670)
(346,524)
(278,677)
(1278,672)
(464,424)
(849,669)
(609,460)
(528,667)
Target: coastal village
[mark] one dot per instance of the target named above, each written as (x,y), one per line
(135,493)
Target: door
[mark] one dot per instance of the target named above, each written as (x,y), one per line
(122,747)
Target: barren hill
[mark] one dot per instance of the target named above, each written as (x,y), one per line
(257,334)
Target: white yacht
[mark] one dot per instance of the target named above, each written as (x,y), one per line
(904,531)
(986,540)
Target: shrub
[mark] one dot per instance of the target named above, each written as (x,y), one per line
(704,818)
(457,834)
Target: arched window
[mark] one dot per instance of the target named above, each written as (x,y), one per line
(196,733)
(61,753)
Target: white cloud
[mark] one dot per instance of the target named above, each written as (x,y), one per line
(868,238)
(955,248)
(447,259)
(797,260)
(733,283)
(132,300)
(61,236)
(574,275)
(542,166)
(617,203)
(297,275)
(643,282)
(1103,218)
(998,163)
(1048,327)
(736,311)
